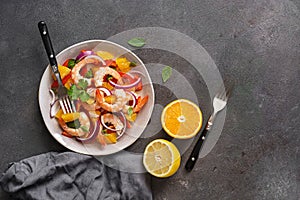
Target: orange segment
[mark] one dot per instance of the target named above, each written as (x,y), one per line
(68,117)
(181,119)
(123,64)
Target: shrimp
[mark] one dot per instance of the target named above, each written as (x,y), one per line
(101,72)
(121,100)
(140,103)
(84,121)
(112,119)
(76,76)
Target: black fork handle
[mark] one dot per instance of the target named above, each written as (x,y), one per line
(49,49)
(195,153)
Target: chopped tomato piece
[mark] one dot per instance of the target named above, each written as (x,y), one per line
(110,131)
(111,63)
(66,63)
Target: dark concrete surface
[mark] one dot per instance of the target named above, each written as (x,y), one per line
(256,43)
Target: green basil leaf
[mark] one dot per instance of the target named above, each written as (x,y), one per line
(130,111)
(166,73)
(89,74)
(82,84)
(136,42)
(73,124)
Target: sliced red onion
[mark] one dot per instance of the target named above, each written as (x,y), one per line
(107,127)
(92,136)
(136,72)
(125,125)
(54,107)
(83,54)
(106,91)
(128,86)
(52,97)
(96,57)
(134,98)
(54,104)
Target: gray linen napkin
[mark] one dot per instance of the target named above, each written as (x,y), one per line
(70,175)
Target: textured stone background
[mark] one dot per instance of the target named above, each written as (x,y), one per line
(255,42)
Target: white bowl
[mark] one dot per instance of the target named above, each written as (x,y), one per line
(131,135)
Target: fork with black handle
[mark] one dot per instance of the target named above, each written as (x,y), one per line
(62,93)
(219,103)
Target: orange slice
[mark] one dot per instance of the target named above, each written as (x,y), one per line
(181,119)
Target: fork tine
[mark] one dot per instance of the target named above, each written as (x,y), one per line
(223,97)
(68,104)
(71,104)
(229,90)
(62,106)
(221,94)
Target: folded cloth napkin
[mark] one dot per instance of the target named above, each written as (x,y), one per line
(70,175)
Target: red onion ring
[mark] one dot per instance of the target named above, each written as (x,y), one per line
(106,91)
(52,107)
(96,57)
(83,54)
(134,98)
(125,125)
(136,72)
(117,86)
(52,104)
(53,97)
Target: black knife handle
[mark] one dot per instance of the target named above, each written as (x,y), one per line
(48,45)
(195,153)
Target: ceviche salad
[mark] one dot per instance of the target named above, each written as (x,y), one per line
(105,94)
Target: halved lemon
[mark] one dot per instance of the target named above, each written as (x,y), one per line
(161,158)
(181,119)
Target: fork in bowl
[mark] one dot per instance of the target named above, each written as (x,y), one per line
(219,103)
(66,104)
